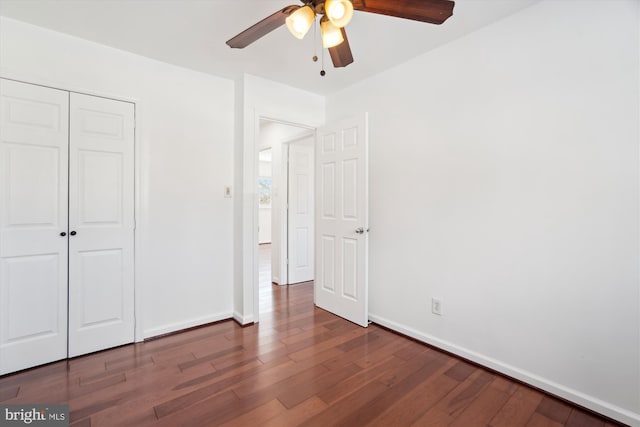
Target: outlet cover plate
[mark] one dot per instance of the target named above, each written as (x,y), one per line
(436,306)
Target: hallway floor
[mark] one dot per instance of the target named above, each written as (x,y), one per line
(264,272)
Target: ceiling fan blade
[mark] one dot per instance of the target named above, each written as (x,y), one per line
(341,54)
(431,11)
(260,29)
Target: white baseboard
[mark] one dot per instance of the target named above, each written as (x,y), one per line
(242,320)
(582,399)
(178,326)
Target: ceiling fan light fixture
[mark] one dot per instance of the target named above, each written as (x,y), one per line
(331,35)
(300,21)
(339,12)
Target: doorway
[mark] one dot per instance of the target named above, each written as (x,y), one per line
(299,223)
(274,139)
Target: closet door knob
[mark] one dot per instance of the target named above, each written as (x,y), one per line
(63,234)
(73,233)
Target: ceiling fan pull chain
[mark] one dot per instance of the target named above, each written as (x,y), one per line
(322,71)
(315,41)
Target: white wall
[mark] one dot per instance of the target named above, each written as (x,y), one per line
(185,158)
(504,179)
(260,99)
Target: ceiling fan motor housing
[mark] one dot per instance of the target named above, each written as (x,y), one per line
(316,5)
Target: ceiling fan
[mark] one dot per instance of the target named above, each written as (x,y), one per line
(335,15)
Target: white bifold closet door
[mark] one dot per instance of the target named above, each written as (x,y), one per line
(101,224)
(34,157)
(66,224)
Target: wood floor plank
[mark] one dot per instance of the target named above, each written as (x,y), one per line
(144,384)
(97,386)
(554,409)
(341,409)
(452,405)
(325,342)
(235,369)
(87,411)
(296,415)
(406,380)
(410,350)
(210,357)
(203,393)
(582,419)
(127,365)
(143,391)
(9,392)
(206,412)
(539,420)
(518,409)
(53,370)
(299,366)
(487,404)
(293,395)
(418,401)
(368,350)
(258,416)
(461,371)
(284,372)
(124,415)
(85,422)
(382,349)
(359,380)
(359,341)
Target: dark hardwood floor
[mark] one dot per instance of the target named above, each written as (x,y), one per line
(299,366)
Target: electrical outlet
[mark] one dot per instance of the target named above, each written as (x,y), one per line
(436,306)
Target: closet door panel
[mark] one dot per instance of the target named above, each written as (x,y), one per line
(33,213)
(101,206)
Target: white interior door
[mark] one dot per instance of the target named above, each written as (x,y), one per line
(265,195)
(342,212)
(101,224)
(301,215)
(33,225)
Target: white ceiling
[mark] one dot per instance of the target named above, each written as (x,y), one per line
(192,34)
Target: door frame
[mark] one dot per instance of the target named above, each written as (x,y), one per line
(284,205)
(140,177)
(251,258)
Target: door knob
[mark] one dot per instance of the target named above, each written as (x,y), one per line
(73,233)
(360,230)
(63,234)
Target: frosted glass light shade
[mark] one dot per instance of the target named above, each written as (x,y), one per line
(331,35)
(339,12)
(300,21)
